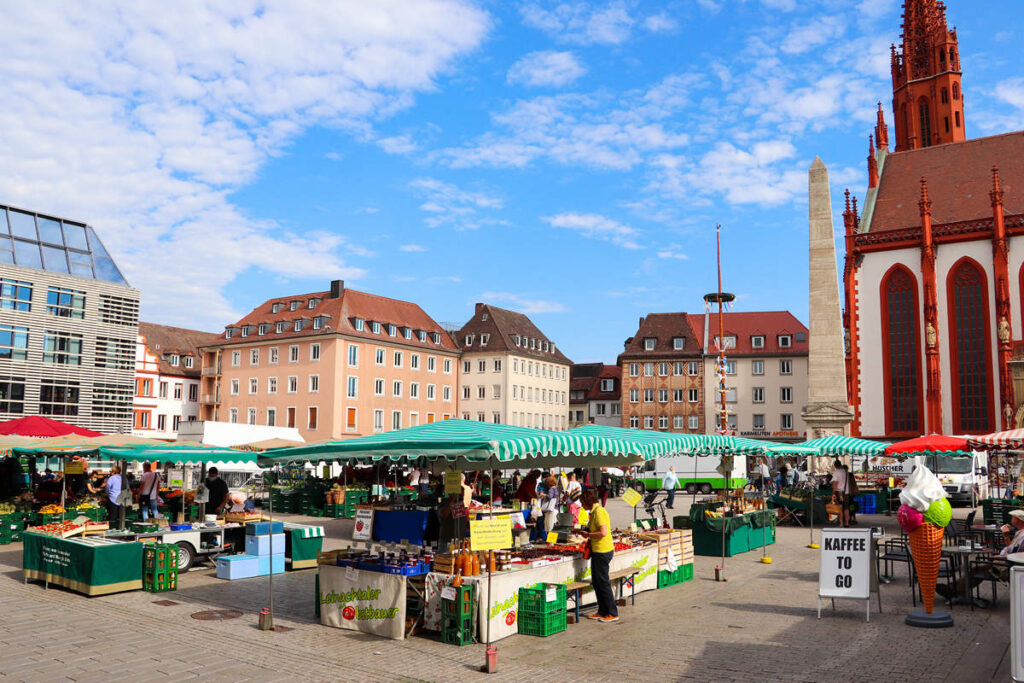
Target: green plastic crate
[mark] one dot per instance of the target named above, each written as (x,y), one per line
(667,578)
(160,583)
(461,608)
(455,632)
(535,598)
(158,558)
(685,573)
(541,624)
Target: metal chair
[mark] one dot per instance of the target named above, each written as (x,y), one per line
(987,569)
(895,550)
(947,571)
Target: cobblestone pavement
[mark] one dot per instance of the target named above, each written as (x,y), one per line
(760,625)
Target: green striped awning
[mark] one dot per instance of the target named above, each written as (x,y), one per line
(668,444)
(478,442)
(838,445)
(177,453)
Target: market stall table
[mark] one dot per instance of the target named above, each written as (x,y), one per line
(91,566)
(302,544)
(745,532)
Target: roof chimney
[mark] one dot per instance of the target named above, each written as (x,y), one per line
(337,287)
(641,323)
(479,307)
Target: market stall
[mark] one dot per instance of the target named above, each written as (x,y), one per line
(744,526)
(91,566)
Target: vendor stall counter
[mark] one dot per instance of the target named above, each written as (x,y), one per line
(742,532)
(91,566)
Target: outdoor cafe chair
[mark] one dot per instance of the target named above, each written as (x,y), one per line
(896,550)
(984,569)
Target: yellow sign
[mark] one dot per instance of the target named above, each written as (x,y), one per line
(327,471)
(490,534)
(553,537)
(631,497)
(453,482)
(74,467)
(892,482)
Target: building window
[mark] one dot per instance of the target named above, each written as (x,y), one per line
(692,395)
(236,359)
(447,366)
(757,342)
(694,423)
(694,368)
(314,352)
(662,395)
(431,364)
(497,365)
(193,392)
(290,417)
(758,395)
(142,419)
(189,362)
(314,384)
(293,354)
(969,349)
(379,357)
(446,392)
(634,369)
(297,325)
(607,385)
(398,359)
(293,384)
(58,398)
(481,366)
(663,422)
(161,423)
(253,385)
(117,310)
(481,391)
(496,391)
(785,394)
(254,357)
(649,343)
(175,423)
(396,388)
(678,343)
(378,421)
(757,367)
(245,330)
(271,417)
(144,387)
(785,367)
(663,369)
(414,390)
(396,419)
(177,391)
(634,395)
(12,395)
(925,117)
(648,422)
(234,387)
(352,388)
(62,348)
(900,352)
(233,413)
(465,391)
(634,421)
(273,355)
(15,295)
(432,392)
(648,395)
(318,323)
(677,368)
(163,390)
(262,329)
(279,326)
(294,305)
(359,324)
(648,369)
(414,361)
(271,385)
(758,421)
(378,386)
(677,395)
(730,367)
(786,422)
(13,342)
(311,419)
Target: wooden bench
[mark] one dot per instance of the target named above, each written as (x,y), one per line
(574,590)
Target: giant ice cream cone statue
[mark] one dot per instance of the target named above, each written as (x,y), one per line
(924,515)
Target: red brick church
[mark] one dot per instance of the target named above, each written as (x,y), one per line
(934,271)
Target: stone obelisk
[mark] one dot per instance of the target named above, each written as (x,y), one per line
(827,411)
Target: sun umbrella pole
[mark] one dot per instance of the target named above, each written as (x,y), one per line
(63,488)
(490,573)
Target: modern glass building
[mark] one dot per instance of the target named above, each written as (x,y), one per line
(68,324)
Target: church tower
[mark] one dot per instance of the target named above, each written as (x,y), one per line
(928,105)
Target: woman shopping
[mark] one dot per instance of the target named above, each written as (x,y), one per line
(602,548)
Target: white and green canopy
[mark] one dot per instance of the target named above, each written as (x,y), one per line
(480,444)
(184,453)
(667,444)
(838,445)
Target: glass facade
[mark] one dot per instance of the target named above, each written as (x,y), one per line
(37,241)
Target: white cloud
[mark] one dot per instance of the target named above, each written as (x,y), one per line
(672,253)
(596,226)
(1009,92)
(813,34)
(522,304)
(412,248)
(581,23)
(399,144)
(660,23)
(874,9)
(143,122)
(448,204)
(546,68)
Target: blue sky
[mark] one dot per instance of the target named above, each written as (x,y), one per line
(566,159)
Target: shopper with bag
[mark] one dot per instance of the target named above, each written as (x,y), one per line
(602,548)
(149,490)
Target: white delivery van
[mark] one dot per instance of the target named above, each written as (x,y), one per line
(697,473)
(960,476)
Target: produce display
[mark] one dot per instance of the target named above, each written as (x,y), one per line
(58,529)
(402,562)
(51,510)
(924,515)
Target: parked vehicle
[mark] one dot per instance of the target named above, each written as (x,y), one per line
(697,474)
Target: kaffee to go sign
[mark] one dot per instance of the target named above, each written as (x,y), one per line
(845,564)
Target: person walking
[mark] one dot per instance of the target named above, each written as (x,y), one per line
(113,487)
(602,548)
(670,482)
(840,482)
(149,490)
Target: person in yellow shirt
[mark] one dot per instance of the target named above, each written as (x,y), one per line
(602,548)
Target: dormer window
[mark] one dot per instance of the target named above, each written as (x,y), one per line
(392,330)
(229,333)
(533,344)
(546,347)
(313,303)
(297,326)
(358,324)
(785,341)
(437,337)
(678,343)
(519,340)
(757,341)
(469,340)
(262,329)
(276,307)
(279,327)
(484,339)
(174,359)
(318,323)
(483,318)
(245,330)
(650,343)
(407,332)
(423,336)
(552,347)
(294,306)
(375,327)
(189,361)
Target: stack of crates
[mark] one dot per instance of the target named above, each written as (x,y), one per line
(542,609)
(867,504)
(457,615)
(160,568)
(259,542)
(11,528)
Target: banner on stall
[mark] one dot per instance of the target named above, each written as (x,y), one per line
(370,602)
(452,482)
(363,529)
(490,534)
(74,467)
(631,497)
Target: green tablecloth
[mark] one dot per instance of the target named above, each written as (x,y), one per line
(302,543)
(92,566)
(742,533)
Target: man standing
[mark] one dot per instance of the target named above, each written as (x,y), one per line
(670,483)
(840,483)
(218,490)
(113,489)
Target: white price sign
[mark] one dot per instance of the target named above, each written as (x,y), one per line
(363,529)
(845,564)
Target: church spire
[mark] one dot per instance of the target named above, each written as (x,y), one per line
(881,131)
(927,100)
(872,163)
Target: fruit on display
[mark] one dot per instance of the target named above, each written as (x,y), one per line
(60,529)
(51,510)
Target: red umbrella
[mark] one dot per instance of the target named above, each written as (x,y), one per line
(932,444)
(43,427)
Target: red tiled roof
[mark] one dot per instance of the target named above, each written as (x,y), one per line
(587,377)
(613,372)
(339,316)
(163,341)
(748,324)
(663,327)
(503,328)
(959,176)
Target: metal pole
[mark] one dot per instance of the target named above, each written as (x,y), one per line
(724,420)
(487,611)
(270,585)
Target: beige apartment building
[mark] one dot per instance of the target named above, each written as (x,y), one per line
(334,364)
(511,372)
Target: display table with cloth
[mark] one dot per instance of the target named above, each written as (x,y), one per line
(302,543)
(359,600)
(501,611)
(742,532)
(91,566)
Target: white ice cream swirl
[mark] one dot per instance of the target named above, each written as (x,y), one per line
(923,488)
